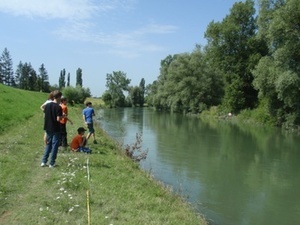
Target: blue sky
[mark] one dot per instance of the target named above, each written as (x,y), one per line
(102,36)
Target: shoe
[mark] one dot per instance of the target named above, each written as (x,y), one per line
(95,142)
(51,166)
(43,164)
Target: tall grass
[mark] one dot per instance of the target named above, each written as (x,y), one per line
(105,187)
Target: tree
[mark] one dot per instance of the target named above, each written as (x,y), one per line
(142,92)
(116,83)
(76,94)
(277,76)
(79,77)
(135,93)
(68,80)
(62,78)
(6,69)
(234,49)
(26,77)
(43,79)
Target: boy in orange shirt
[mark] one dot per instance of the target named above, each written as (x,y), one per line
(79,141)
(63,122)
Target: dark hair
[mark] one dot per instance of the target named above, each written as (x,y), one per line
(88,103)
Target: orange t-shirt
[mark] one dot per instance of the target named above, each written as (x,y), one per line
(76,142)
(64,112)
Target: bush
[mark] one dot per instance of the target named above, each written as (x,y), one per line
(77,94)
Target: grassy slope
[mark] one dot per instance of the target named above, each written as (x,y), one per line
(113,187)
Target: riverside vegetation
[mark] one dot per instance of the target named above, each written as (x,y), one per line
(105,187)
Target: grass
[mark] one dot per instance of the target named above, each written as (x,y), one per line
(102,188)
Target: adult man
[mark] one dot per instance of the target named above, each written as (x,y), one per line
(88,114)
(53,114)
(63,123)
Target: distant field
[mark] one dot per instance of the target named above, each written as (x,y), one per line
(97,102)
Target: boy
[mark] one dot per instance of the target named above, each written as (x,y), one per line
(88,114)
(53,114)
(63,122)
(79,141)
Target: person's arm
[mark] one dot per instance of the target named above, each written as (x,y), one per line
(83,143)
(70,120)
(42,107)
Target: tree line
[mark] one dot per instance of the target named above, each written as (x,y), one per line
(25,77)
(251,64)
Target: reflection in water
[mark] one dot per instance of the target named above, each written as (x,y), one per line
(234,175)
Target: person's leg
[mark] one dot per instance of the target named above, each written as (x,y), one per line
(92,130)
(63,135)
(55,144)
(45,138)
(48,148)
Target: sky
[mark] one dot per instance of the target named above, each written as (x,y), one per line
(103,36)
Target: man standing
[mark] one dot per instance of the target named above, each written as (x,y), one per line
(88,114)
(53,114)
(63,123)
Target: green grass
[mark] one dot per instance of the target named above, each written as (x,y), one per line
(114,188)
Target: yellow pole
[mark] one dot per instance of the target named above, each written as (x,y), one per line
(88,206)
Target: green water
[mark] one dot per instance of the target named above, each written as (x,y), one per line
(234,175)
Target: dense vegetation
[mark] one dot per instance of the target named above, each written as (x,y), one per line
(250,65)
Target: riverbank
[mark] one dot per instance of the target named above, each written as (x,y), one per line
(102,188)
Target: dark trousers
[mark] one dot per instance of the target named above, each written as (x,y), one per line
(63,135)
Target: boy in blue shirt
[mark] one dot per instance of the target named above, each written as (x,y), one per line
(88,114)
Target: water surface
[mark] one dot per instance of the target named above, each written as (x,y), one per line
(234,175)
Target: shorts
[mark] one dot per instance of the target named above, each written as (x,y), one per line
(91,128)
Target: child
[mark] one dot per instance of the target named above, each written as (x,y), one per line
(79,141)
(63,122)
(88,114)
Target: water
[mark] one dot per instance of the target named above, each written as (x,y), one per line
(233,175)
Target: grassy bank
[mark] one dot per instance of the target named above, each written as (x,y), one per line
(102,188)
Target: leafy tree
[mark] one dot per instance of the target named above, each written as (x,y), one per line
(135,93)
(62,79)
(186,84)
(116,83)
(106,97)
(6,69)
(79,77)
(277,76)
(234,49)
